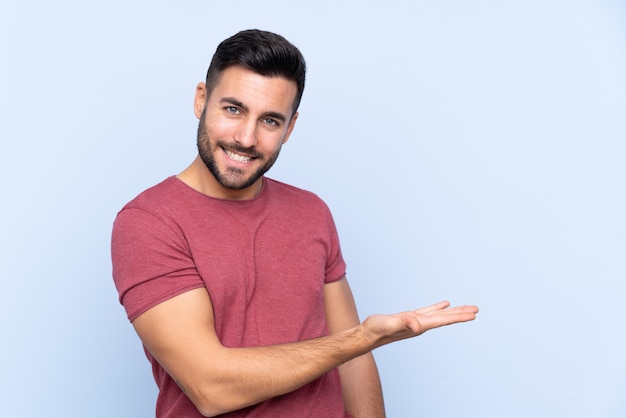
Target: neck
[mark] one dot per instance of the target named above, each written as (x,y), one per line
(198,177)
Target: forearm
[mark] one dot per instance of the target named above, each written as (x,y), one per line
(362,392)
(179,333)
(239,377)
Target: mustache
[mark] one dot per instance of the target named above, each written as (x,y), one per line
(250,151)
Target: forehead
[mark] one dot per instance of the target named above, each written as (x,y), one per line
(272,93)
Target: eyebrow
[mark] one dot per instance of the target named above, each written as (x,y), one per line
(235,102)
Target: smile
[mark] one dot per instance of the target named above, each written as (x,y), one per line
(238,157)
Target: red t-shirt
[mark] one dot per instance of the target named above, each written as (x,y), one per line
(263,261)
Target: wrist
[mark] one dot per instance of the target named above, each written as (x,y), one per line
(364,340)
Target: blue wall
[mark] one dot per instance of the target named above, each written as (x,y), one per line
(470,150)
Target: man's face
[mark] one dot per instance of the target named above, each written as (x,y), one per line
(243,125)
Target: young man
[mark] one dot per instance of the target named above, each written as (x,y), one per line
(235,282)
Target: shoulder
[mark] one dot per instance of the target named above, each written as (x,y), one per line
(167,199)
(155,196)
(294,203)
(280,190)
(153,209)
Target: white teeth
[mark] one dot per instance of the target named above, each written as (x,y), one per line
(238,157)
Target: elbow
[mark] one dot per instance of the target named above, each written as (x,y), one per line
(212,402)
(207,406)
(213,409)
(208,409)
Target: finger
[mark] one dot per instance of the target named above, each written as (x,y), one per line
(464,308)
(451,311)
(413,324)
(452,315)
(441,320)
(433,308)
(458,316)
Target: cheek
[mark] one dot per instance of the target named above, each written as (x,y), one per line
(220,128)
(272,139)
(270,144)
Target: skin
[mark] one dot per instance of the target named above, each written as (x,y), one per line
(244,122)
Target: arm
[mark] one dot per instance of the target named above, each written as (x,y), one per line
(360,383)
(180,334)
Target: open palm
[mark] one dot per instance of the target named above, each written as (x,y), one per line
(384,329)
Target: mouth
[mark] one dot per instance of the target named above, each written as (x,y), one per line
(238,158)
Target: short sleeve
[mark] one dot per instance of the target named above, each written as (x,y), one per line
(335,265)
(151,261)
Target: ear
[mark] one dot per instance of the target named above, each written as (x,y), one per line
(292,124)
(199,101)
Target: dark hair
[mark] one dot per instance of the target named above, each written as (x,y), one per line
(265,53)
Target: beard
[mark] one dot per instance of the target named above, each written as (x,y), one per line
(231,178)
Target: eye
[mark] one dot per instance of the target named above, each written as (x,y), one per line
(231,109)
(270,122)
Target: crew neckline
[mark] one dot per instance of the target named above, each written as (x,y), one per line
(264,181)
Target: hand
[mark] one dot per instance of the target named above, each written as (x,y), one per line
(384,329)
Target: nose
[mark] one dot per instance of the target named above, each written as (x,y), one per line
(246,134)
